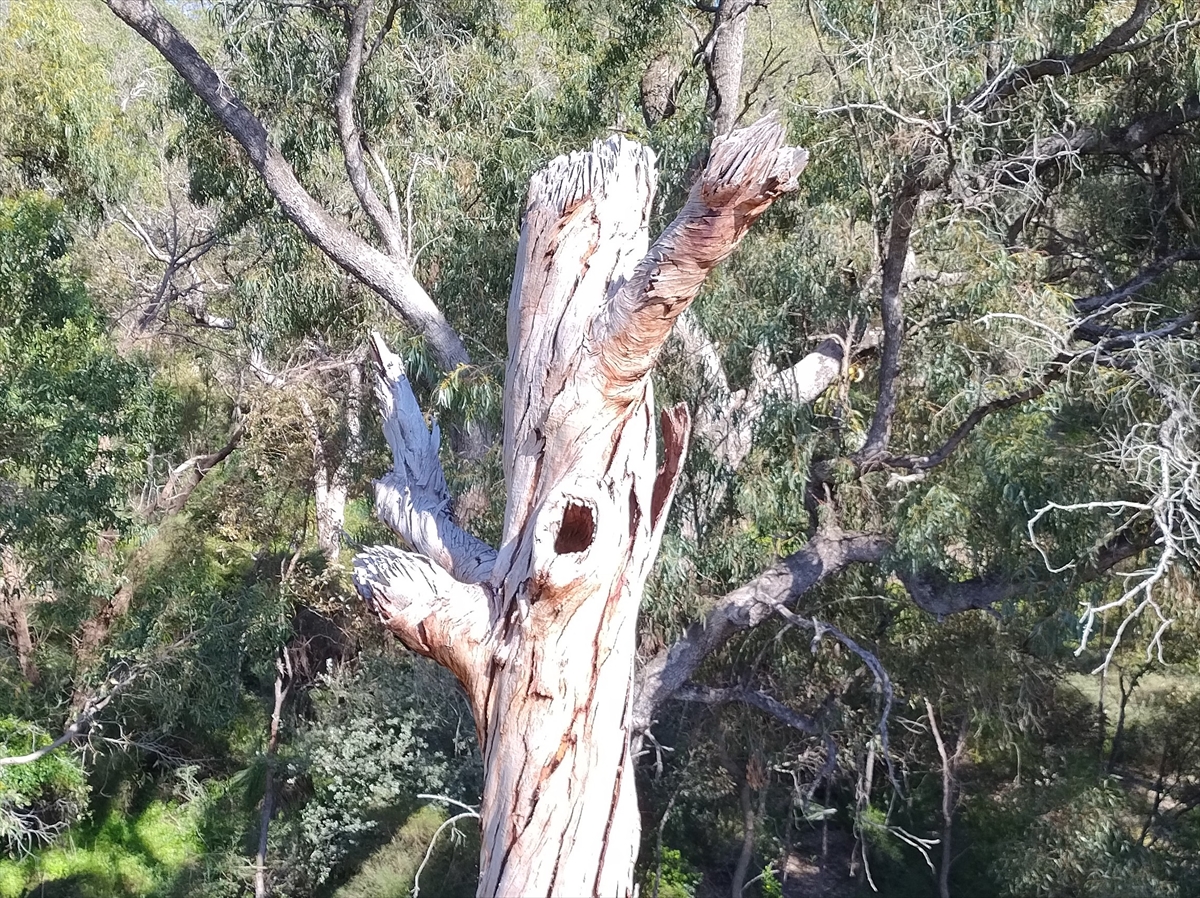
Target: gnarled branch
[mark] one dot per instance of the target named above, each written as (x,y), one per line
(747,171)
(431,612)
(719,695)
(413,498)
(1049,153)
(827,553)
(1119,40)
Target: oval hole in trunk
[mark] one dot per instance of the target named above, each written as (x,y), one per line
(577,530)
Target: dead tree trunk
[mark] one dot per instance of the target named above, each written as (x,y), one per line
(283,684)
(542,632)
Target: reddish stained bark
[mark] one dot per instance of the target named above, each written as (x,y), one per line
(746,173)
(546,645)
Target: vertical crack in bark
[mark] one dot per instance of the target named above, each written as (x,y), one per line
(612,807)
(676,423)
(635,514)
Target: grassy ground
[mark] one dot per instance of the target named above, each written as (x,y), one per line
(119,855)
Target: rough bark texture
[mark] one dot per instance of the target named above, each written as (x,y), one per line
(541,632)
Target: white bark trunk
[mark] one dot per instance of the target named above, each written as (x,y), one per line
(329,489)
(331,473)
(541,633)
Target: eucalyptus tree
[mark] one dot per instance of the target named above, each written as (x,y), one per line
(984,175)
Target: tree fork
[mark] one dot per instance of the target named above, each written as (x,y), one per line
(542,632)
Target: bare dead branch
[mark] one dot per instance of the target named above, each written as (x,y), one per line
(431,612)
(747,171)
(413,498)
(713,695)
(1057,151)
(114,686)
(819,630)
(1119,40)
(184,479)
(1107,339)
(1145,277)
(283,683)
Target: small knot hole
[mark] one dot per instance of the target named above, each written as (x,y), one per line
(577,531)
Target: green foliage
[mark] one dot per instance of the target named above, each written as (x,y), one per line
(673,874)
(771,886)
(76,419)
(380,736)
(138,854)
(62,127)
(1083,848)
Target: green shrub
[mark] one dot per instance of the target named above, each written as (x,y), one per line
(678,879)
(134,855)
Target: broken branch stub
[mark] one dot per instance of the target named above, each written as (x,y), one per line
(746,172)
(545,640)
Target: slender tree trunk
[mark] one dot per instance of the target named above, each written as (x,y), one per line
(283,679)
(330,486)
(825,824)
(750,816)
(866,782)
(331,471)
(542,632)
(725,64)
(14,613)
(658,842)
(1158,796)
(950,763)
(1119,732)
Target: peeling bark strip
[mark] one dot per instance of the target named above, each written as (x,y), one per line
(541,633)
